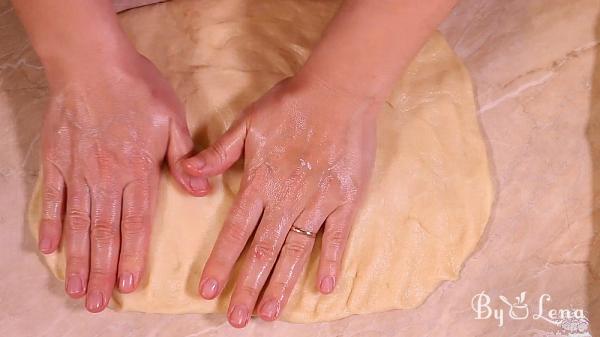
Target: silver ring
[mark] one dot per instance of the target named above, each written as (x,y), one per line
(304,232)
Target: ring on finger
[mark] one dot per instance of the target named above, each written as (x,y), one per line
(303,232)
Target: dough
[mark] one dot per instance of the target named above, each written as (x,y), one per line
(430,195)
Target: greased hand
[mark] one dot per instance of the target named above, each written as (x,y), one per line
(107,129)
(308,156)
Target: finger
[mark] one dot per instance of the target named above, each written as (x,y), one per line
(291,262)
(223,153)
(53,190)
(234,234)
(106,214)
(180,148)
(77,237)
(258,264)
(138,203)
(335,236)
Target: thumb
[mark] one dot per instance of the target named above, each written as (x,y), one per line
(223,153)
(180,147)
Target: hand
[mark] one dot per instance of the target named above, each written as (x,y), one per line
(308,157)
(106,132)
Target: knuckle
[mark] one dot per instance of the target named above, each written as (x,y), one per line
(76,262)
(143,160)
(251,183)
(103,159)
(163,107)
(103,233)
(278,285)
(295,248)
(335,238)
(235,234)
(51,155)
(263,251)
(98,272)
(51,194)
(249,290)
(133,258)
(218,151)
(334,241)
(78,220)
(133,225)
(49,225)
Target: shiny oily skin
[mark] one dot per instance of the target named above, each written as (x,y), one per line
(307,162)
(307,155)
(104,139)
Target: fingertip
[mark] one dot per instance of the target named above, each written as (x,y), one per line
(194,165)
(327,284)
(209,288)
(269,310)
(47,245)
(127,283)
(196,186)
(238,316)
(199,186)
(74,286)
(95,301)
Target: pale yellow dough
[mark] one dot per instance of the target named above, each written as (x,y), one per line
(430,195)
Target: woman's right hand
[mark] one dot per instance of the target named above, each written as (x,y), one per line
(109,125)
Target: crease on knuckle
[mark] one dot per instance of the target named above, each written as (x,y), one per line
(278,285)
(102,155)
(131,259)
(218,151)
(295,248)
(78,221)
(103,234)
(76,262)
(133,225)
(51,194)
(49,225)
(264,252)
(334,239)
(235,235)
(248,290)
(100,273)
(51,209)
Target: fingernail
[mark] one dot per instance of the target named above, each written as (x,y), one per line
(239,316)
(269,310)
(126,282)
(327,284)
(74,285)
(198,184)
(209,288)
(45,245)
(195,163)
(94,301)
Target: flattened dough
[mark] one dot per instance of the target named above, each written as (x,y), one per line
(430,195)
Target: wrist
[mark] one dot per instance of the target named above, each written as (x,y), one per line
(84,53)
(316,94)
(328,83)
(73,35)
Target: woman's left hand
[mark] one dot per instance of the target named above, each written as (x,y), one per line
(308,151)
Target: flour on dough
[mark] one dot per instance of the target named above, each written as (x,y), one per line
(430,195)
